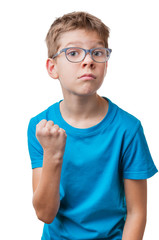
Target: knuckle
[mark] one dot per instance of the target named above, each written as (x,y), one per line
(43,121)
(48,127)
(55,128)
(41,124)
(60,130)
(50,122)
(48,130)
(63,132)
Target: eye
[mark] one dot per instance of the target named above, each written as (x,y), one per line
(73,52)
(98,53)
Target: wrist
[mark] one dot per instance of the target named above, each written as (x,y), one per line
(52,157)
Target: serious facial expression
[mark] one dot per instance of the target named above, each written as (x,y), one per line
(71,75)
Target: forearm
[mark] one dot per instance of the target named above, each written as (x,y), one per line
(46,198)
(134,227)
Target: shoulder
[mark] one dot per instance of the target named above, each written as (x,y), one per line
(129,132)
(124,126)
(126,121)
(47,114)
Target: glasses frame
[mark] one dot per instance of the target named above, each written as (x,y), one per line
(85,50)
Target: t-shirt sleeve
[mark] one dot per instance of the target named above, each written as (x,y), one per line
(137,162)
(34,147)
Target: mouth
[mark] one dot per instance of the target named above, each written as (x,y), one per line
(87,77)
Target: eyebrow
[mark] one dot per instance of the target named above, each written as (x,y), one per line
(95,43)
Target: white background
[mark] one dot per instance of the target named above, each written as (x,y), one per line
(26,90)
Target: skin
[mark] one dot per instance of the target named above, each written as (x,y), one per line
(82,107)
(80,98)
(46,180)
(136,200)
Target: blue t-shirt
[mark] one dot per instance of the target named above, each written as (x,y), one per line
(95,163)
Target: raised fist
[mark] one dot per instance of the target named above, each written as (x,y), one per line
(52,138)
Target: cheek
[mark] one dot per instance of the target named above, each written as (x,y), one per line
(105,72)
(67,75)
(105,68)
(102,73)
(68,72)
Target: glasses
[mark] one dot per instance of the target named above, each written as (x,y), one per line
(76,54)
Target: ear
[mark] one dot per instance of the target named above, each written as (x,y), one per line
(51,68)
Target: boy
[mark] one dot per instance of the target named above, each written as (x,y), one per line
(90,158)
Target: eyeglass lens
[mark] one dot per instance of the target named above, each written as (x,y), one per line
(78,54)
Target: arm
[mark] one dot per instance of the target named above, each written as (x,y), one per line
(46,199)
(136,200)
(46,180)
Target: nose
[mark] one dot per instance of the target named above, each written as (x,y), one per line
(88,61)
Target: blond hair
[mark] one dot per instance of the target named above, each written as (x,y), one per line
(73,21)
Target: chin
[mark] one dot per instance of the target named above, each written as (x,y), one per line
(86,93)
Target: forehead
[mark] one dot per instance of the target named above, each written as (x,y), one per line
(80,37)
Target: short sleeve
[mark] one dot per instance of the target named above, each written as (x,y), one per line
(34,147)
(137,162)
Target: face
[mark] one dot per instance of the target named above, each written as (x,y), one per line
(71,74)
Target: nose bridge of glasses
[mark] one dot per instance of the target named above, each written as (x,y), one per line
(86,53)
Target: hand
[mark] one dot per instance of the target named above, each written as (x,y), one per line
(52,138)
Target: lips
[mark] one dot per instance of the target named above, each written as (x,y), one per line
(88,76)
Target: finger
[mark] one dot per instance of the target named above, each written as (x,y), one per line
(42,123)
(62,131)
(49,123)
(56,127)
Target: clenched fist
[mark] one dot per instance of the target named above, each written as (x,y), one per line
(52,138)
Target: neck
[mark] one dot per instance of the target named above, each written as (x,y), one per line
(82,108)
